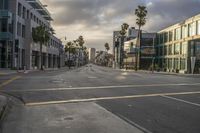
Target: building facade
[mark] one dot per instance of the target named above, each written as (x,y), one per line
(178,47)
(17,49)
(118,45)
(92,52)
(142,56)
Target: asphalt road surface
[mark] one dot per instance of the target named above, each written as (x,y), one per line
(94,99)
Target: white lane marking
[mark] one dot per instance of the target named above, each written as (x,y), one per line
(134,124)
(181,100)
(109,98)
(103,87)
(92,77)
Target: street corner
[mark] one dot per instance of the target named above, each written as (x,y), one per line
(3,107)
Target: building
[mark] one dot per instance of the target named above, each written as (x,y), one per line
(141,56)
(118,45)
(92,52)
(17,49)
(178,47)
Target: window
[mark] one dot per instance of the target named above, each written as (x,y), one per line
(184,31)
(177,48)
(165,50)
(178,34)
(161,38)
(170,35)
(3,4)
(176,62)
(27,14)
(24,12)
(34,18)
(19,9)
(192,29)
(198,26)
(18,29)
(165,37)
(170,50)
(31,15)
(3,25)
(184,48)
(182,63)
(23,31)
(170,63)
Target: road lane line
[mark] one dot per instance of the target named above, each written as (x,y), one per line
(105,87)
(9,81)
(109,98)
(181,100)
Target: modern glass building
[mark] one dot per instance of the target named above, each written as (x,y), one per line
(17,49)
(178,47)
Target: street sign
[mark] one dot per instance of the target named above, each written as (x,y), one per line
(193,61)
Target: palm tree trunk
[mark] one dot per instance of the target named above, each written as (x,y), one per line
(69,62)
(137,49)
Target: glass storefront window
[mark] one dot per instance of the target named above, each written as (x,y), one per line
(170,63)
(182,64)
(184,48)
(176,62)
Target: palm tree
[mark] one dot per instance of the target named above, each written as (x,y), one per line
(123,31)
(40,35)
(69,48)
(141,14)
(107,47)
(80,41)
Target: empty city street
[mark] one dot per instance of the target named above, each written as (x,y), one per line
(95,99)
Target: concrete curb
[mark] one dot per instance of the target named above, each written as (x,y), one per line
(162,73)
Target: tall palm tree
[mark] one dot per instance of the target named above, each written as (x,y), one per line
(107,47)
(69,48)
(80,41)
(141,13)
(40,35)
(123,31)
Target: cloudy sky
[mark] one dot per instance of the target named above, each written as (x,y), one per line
(96,19)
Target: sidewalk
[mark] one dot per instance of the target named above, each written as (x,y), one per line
(3,107)
(8,71)
(61,118)
(161,72)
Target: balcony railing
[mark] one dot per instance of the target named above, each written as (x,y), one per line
(5,14)
(5,36)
